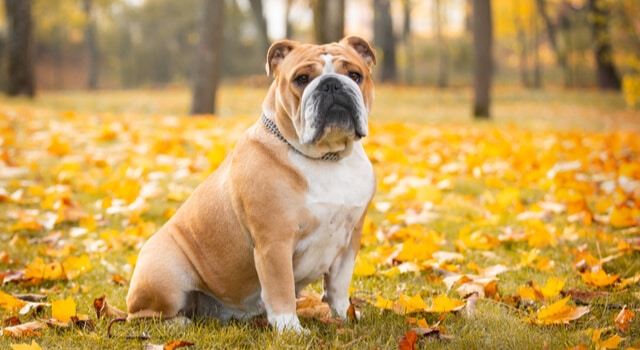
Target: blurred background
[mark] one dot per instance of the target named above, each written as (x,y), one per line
(132,44)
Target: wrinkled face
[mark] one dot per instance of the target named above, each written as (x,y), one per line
(326,91)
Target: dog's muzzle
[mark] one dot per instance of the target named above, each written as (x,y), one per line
(333,103)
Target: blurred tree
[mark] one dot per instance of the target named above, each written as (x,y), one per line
(522,47)
(537,69)
(608,78)
(59,36)
(552,30)
(261,24)
(576,41)
(384,38)
(328,20)
(208,57)
(439,16)
(559,33)
(287,21)
(2,76)
(20,69)
(408,42)
(161,32)
(483,60)
(90,40)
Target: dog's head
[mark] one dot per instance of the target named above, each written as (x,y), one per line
(321,94)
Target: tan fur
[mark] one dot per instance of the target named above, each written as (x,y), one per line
(235,236)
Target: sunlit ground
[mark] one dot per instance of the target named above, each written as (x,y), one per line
(550,108)
(536,211)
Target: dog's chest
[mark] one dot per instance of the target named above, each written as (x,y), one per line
(338,195)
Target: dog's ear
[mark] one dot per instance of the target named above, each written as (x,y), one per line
(362,47)
(277,52)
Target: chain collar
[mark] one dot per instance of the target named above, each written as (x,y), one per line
(273,128)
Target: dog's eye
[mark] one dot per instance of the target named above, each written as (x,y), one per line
(302,80)
(355,76)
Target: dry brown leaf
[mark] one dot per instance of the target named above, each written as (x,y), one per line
(119,280)
(408,341)
(28,329)
(11,321)
(103,309)
(584,296)
(623,319)
(176,344)
(310,305)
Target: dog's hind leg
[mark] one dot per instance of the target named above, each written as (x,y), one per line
(160,286)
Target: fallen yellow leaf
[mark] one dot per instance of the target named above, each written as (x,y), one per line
(75,266)
(552,288)
(623,216)
(599,278)
(412,304)
(443,303)
(363,267)
(32,346)
(10,303)
(609,343)
(526,292)
(40,270)
(383,303)
(63,310)
(559,312)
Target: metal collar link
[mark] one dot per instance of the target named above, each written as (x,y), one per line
(273,128)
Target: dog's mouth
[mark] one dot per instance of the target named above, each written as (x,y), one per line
(336,117)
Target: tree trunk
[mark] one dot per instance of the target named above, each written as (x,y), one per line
(383,37)
(92,47)
(565,25)
(2,76)
(59,48)
(20,49)
(443,53)
(483,67)
(328,20)
(608,78)
(551,32)
(408,42)
(261,24)
(287,21)
(537,69)
(524,66)
(208,57)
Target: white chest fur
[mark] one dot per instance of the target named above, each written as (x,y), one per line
(338,196)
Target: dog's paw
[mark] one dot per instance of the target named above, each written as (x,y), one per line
(287,323)
(345,310)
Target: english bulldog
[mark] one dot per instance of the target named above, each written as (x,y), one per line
(285,208)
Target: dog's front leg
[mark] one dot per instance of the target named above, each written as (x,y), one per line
(336,282)
(274,264)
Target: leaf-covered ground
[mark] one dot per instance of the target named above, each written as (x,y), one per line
(522,233)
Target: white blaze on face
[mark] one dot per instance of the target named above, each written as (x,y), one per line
(328,63)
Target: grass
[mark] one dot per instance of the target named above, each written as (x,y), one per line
(431,119)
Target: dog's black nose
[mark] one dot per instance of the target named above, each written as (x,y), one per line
(330,85)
